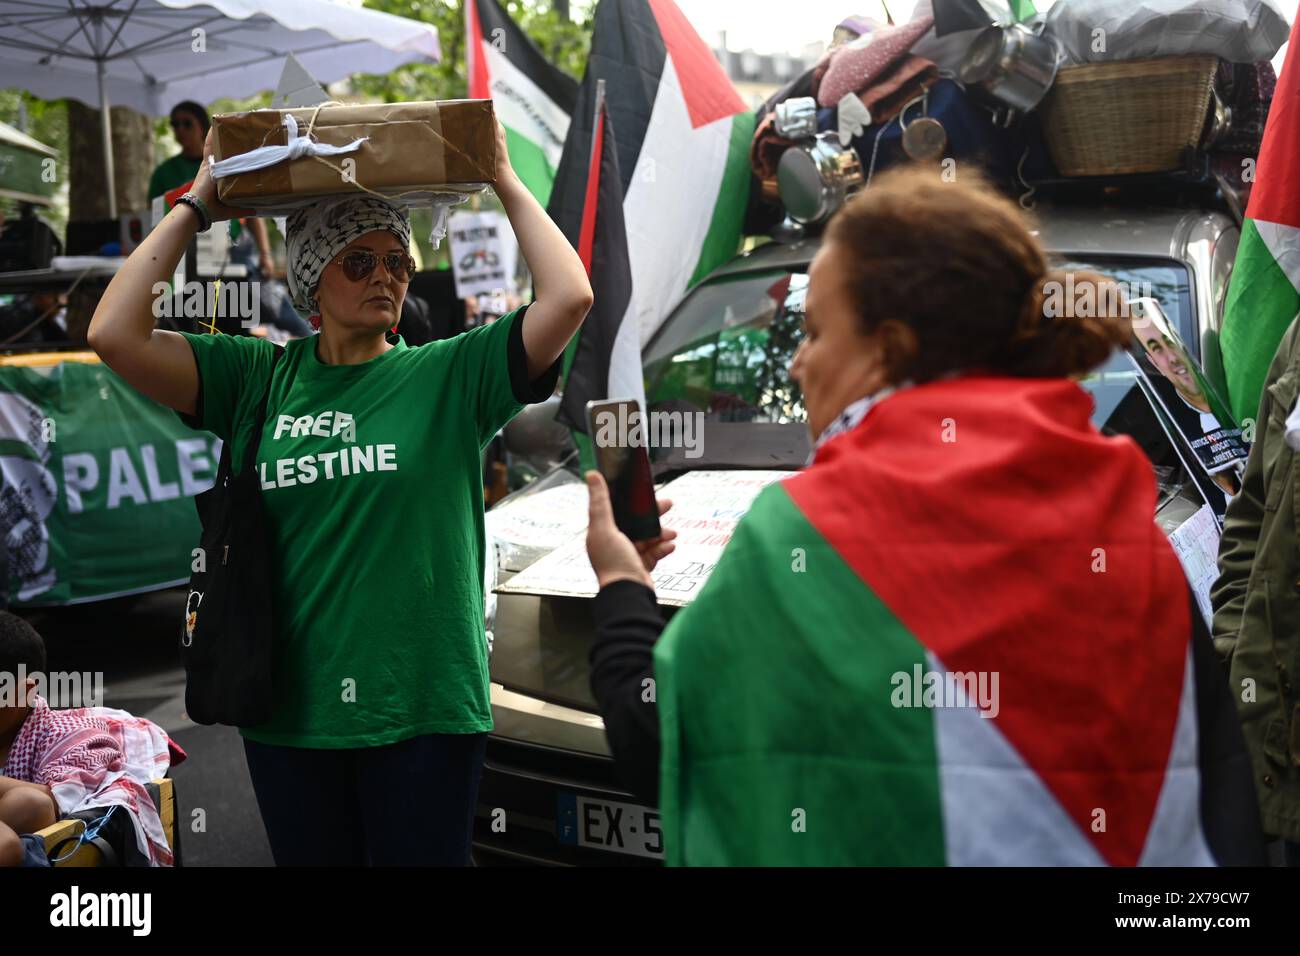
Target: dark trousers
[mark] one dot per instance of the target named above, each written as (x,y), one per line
(405,804)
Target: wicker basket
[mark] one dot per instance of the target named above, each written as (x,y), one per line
(1131,116)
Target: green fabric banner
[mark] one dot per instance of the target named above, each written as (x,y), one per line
(97,482)
(22,174)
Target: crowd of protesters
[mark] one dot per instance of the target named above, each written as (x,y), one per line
(954,509)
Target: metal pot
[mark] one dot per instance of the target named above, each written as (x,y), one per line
(1011,65)
(1220,120)
(815,178)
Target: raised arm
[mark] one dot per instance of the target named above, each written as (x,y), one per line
(561,292)
(156,362)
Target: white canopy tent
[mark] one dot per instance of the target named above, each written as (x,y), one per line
(151,54)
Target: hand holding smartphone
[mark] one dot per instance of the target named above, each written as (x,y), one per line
(625,467)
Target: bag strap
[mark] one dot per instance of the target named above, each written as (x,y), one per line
(251,453)
(99,843)
(90,835)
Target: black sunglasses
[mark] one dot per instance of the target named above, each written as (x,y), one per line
(359,263)
(182,123)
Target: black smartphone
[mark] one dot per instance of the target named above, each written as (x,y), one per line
(619,441)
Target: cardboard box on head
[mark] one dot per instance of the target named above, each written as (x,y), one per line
(436,147)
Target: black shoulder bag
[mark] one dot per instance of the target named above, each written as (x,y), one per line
(226,643)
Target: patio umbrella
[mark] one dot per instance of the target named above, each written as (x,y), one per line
(150,54)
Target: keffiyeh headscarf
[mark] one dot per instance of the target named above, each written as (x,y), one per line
(97,757)
(316,234)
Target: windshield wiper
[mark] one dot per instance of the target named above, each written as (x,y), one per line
(760,445)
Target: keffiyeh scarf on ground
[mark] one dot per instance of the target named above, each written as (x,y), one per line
(317,233)
(93,757)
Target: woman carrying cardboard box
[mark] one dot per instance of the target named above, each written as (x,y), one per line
(380,716)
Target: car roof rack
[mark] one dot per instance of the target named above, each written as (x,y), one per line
(1192,184)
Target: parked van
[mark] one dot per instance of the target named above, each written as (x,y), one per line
(550,793)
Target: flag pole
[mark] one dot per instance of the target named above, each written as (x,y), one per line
(595,120)
(581,440)
(586,233)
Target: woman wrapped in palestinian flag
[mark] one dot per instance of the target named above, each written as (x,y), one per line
(958,637)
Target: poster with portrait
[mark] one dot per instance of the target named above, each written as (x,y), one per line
(1189,403)
(1211,491)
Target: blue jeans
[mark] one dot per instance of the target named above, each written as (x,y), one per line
(405,804)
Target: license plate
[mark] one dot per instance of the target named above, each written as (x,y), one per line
(616,827)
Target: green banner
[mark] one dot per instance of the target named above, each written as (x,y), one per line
(98,482)
(23,172)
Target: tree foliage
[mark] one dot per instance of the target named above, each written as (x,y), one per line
(46,121)
(564,42)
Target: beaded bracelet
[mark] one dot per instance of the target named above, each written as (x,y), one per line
(197,204)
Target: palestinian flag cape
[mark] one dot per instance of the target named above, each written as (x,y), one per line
(1262,293)
(980,530)
(532,98)
(683,156)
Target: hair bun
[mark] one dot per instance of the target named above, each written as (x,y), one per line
(1070,322)
(951,276)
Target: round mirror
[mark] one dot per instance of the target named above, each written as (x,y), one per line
(803,191)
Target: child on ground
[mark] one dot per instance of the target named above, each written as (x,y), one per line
(58,762)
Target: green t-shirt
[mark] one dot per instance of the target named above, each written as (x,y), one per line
(171,173)
(372,479)
(178,171)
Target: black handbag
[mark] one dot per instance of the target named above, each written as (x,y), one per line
(227,637)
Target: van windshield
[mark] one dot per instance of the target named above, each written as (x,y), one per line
(726,351)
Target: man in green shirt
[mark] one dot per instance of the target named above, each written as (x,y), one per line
(190,125)
(369,468)
(251,248)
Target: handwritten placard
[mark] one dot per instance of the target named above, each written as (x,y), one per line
(706,507)
(536,524)
(1196,542)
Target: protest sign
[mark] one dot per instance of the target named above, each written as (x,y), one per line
(706,507)
(483,253)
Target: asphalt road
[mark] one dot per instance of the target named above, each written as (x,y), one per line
(133,642)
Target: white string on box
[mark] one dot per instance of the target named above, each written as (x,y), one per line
(296,148)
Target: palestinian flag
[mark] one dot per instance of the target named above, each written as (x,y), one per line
(603,361)
(533,99)
(957,638)
(1262,293)
(683,156)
